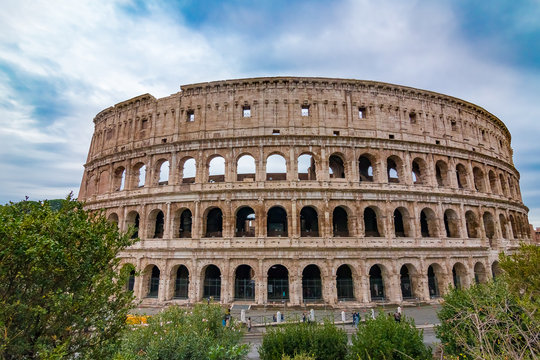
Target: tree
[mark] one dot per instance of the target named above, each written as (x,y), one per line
(61,293)
(385,339)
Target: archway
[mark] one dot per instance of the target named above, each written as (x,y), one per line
(216,169)
(340,222)
(276,167)
(306,167)
(451,223)
(189,170)
(278,283)
(153,285)
(344,283)
(495,270)
(406,284)
(185,224)
(461,176)
(244,285)
(212,282)
(472,224)
(401,222)
(433,280)
(159,224)
(245,222)
(214,223)
(441,172)
(365,168)
(376,283)
(480,273)
(133,219)
(489,225)
(428,223)
(336,168)
(309,222)
(245,168)
(459,273)
(370,223)
(276,222)
(311,283)
(181,285)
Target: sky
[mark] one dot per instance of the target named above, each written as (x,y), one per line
(62,62)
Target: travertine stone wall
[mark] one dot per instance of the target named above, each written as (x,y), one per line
(439,193)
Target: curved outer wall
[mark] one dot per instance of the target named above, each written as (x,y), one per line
(434,203)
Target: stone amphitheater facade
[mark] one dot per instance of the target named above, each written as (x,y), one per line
(305,190)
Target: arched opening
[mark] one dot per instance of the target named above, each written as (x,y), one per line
(392,169)
(376,283)
(306,167)
(159,225)
(503,185)
(216,169)
(119,179)
(244,285)
(181,285)
(407,292)
(212,282)
(276,167)
(472,225)
(245,168)
(451,223)
(510,187)
(479,181)
(344,283)
(441,173)
(514,227)
(340,222)
(133,220)
(459,273)
(419,171)
(309,222)
(489,225)
(245,222)
(433,281)
(278,283)
(129,271)
(461,176)
(185,224)
(365,168)
(480,273)
(113,218)
(370,223)
(428,223)
(493,182)
(214,223)
(504,226)
(140,174)
(163,178)
(276,222)
(311,283)
(495,270)
(189,169)
(401,222)
(153,285)
(104,185)
(336,167)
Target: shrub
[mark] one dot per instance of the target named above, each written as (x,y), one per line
(322,342)
(298,357)
(177,333)
(385,339)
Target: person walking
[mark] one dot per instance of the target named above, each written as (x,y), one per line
(249,324)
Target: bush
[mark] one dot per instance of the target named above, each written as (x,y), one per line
(487,321)
(322,342)
(177,333)
(298,357)
(385,339)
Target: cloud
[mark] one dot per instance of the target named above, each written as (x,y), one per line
(60,65)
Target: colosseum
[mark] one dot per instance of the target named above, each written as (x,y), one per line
(289,190)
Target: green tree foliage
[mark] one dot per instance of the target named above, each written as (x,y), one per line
(178,333)
(522,273)
(60,293)
(383,338)
(322,342)
(486,321)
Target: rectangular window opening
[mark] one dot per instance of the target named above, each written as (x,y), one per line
(190,115)
(144,124)
(336,133)
(412,118)
(275,132)
(305,110)
(246,111)
(390,136)
(362,112)
(454,125)
(437,142)
(163,141)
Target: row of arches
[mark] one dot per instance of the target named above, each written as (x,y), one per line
(343,222)
(278,279)
(368,168)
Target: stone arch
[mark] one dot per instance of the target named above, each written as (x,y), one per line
(493,182)
(459,275)
(503,223)
(277,283)
(451,224)
(180,274)
(216,169)
(479,179)
(211,282)
(244,283)
(513,226)
(309,222)
(428,223)
(214,222)
(161,171)
(489,225)
(366,167)
(461,176)
(133,219)
(345,283)
(276,222)
(311,283)
(129,271)
(336,166)
(188,166)
(503,185)
(119,179)
(377,286)
(402,222)
(372,222)
(408,274)
(340,222)
(495,269)
(441,173)
(245,168)
(394,169)
(184,220)
(113,218)
(104,182)
(156,224)
(480,275)
(419,172)
(276,167)
(307,167)
(139,175)
(245,222)
(435,275)
(472,224)
(151,278)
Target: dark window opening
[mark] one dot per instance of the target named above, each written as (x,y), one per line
(214,223)
(212,283)
(336,167)
(391,136)
(366,169)
(311,283)
(190,115)
(160,222)
(417,173)
(131,281)
(345,285)
(245,222)
(399,228)
(309,222)
(362,114)
(406,283)
(336,133)
(278,283)
(275,132)
(412,118)
(392,171)
(376,283)
(424,228)
(185,224)
(276,222)
(340,222)
(370,223)
(153,285)
(305,110)
(433,284)
(244,285)
(246,111)
(181,286)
